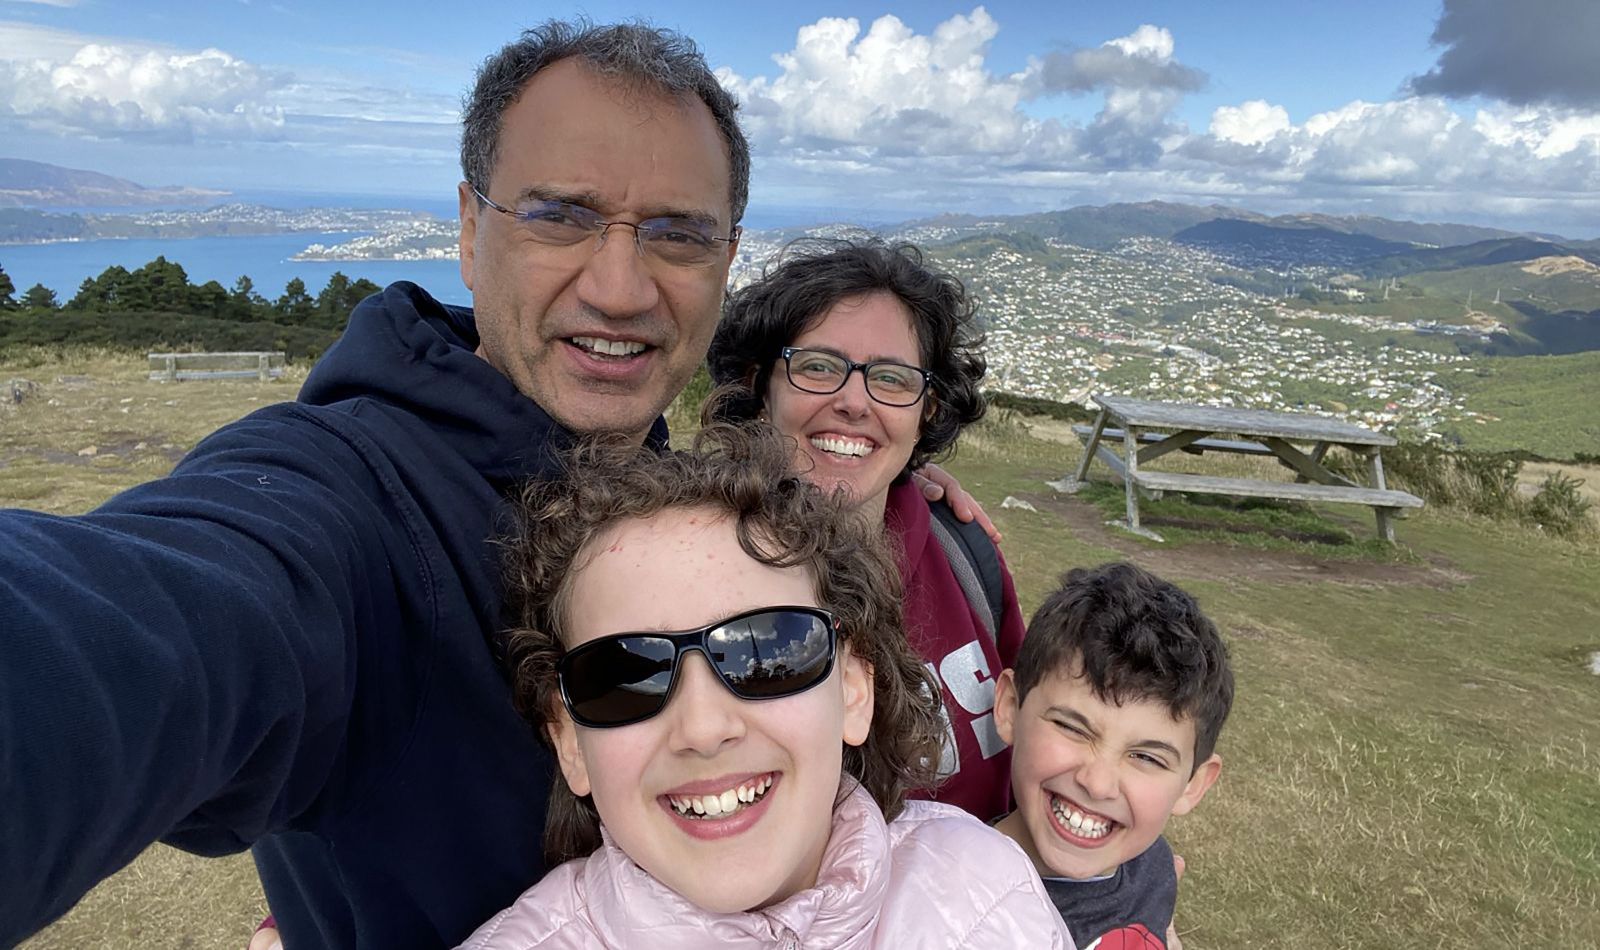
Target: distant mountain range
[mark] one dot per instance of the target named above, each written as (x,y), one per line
(1101,226)
(25,184)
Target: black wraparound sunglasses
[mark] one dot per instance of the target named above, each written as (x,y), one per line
(767,653)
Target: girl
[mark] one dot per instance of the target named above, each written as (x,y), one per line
(713,649)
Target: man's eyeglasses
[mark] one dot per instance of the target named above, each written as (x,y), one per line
(821,372)
(761,654)
(680,242)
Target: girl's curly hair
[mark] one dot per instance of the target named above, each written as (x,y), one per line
(807,280)
(781,520)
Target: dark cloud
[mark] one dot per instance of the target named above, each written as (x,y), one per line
(1524,52)
(1084,70)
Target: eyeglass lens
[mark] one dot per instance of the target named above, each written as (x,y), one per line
(673,240)
(627,678)
(893,384)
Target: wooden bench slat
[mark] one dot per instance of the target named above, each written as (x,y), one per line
(1241,447)
(1298,491)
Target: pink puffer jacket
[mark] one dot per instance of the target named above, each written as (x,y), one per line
(934,878)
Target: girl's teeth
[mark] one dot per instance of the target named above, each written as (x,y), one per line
(723,803)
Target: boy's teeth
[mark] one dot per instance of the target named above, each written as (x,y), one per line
(841,447)
(722,803)
(609,347)
(1081,823)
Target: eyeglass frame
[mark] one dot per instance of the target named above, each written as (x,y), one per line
(602,227)
(697,640)
(787,353)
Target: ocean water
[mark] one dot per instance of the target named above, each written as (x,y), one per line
(64,266)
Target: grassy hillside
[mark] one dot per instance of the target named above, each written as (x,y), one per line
(1413,760)
(1549,405)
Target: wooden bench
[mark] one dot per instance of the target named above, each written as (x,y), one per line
(1265,433)
(173,367)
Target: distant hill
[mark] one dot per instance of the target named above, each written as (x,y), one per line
(1092,226)
(25,184)
(1404,232)
(1102,226)
(1261,243)
(1479,254)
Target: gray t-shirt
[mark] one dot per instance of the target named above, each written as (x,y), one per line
(1134,902)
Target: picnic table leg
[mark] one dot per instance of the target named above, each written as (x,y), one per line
(1317,452)
(1130,444)
(1088,448)
(1385,525)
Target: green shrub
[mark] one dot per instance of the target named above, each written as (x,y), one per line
(1478,482)
(1559,508)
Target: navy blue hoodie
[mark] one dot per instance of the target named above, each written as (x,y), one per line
(288,643)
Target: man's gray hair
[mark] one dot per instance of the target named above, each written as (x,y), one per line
(634,54)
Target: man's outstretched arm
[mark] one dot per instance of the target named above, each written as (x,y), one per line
(181,662)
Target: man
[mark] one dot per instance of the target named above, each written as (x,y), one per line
(289,641)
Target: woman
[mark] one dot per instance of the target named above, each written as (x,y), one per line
(789,349)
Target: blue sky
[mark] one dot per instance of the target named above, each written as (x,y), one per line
(895,108)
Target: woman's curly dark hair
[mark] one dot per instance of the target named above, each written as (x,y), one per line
(745,473)
(807,280)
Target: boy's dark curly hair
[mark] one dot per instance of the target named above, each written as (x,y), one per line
(742,472)
(813,275)
(1132,636)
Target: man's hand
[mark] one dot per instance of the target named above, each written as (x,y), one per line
(936,483)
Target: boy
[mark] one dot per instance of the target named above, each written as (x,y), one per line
(1112,711)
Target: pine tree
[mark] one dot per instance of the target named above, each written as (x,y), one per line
(7,289)
(40,297)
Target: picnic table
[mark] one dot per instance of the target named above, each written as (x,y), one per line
(1149,430)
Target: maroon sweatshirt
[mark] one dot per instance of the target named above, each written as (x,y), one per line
(959,652)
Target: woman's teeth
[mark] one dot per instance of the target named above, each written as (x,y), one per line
(842,446)
(608,347)
(1080,823)
(725,803)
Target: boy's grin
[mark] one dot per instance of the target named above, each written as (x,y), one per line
(1079,825)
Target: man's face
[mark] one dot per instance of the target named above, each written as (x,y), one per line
(601,340)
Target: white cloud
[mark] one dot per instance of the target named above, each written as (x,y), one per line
(100,87)
(894,99)
(106,89)
(888,90)
(1251,123)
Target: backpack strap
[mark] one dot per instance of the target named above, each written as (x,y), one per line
(975,561)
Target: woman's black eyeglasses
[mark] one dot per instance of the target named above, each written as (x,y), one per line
(821,372)
(760,654)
